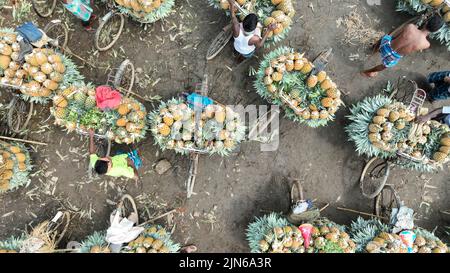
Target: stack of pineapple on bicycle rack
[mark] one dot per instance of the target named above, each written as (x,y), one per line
(15,166)
(418,7)
(288,79)
(177,126)
(386,128)
(75,109)
(43,73)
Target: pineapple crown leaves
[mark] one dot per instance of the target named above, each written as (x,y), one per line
(13,243)
(426,234)
(363,231)
(293,80)
(361,115)
(157,14)
(98,238)
(415,7)
(257,230)
(165,238)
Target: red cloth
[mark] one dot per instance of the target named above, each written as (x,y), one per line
(106,97)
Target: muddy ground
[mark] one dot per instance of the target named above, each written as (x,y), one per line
(230,191)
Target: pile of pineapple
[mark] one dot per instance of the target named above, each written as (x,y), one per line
(131,122)
(442,155)
(388,119)
(392,243)
(279,12)
(15,166)
(147,10)
(274,234)
(75,108)
(285,78)
(217,129)
(154,239)
(70,104)
(9,54)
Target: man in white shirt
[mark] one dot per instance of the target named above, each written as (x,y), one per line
(247,35)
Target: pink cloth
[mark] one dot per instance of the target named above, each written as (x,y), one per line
(106,97)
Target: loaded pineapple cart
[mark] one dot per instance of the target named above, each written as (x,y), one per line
(153,238)
(15,166)
(280,12)
(423,8)
(43,238)
(202,126)
(44,71)
(75,108)
(302,88)
(385,129)
(301,230)
(372,236)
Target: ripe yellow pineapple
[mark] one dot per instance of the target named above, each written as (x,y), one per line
(327,102)
(168,119)
(312,81)
(163,129)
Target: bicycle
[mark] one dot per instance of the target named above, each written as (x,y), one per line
(222,39)
(377,170)
(110,25)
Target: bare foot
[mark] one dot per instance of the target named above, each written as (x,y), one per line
(188,249)
(369,74)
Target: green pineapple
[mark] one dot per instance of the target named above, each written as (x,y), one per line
(90,102)
(79,98)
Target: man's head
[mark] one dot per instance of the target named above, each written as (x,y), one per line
(101,166)
(434,23)
(250,22)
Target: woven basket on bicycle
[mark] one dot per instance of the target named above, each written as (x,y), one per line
(280,12)
(274,234)
(385,128)
(372,236)
(285,78)
(216,130)
(154,239)
(145,11)
(43,73)
(15,166)
(418,7)
(75,109)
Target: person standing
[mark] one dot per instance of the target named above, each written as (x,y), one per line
(82,9)
(404,41)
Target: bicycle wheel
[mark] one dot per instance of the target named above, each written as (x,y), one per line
(109,30)
(374,177)
(44,8)
(218,44)
(19,115)
(387,200)
(124,78)
(57,31)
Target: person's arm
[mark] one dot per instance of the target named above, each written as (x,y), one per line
(234,20)
(91,142)
(433,114)
(260,42)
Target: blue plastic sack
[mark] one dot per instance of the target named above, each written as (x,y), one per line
(29,32)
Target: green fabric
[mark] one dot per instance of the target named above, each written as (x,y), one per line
(119,165)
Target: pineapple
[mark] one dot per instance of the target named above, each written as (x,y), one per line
(90,102)
(60,112)
(80,98)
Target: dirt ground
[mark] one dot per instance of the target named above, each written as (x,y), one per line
(230,191)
